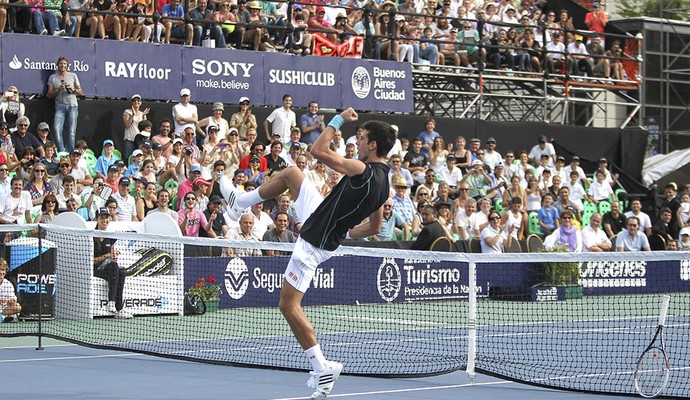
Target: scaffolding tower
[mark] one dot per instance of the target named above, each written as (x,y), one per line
(456,92)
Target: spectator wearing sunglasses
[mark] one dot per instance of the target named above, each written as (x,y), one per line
(631,239)
(22,139)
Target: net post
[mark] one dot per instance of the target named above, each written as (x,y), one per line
(472,319)
(40,292)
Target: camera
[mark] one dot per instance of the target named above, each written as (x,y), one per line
(188,151)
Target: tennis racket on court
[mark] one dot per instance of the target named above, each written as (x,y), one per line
(652,371)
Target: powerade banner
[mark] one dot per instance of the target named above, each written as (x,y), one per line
(256,281)
(158,72)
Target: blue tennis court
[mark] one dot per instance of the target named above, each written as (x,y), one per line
(66,371)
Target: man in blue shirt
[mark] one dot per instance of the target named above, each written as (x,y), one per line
(176,27)
(311,123)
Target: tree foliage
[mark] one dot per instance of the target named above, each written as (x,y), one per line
(672,9)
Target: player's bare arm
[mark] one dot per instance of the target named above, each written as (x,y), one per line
(321,149)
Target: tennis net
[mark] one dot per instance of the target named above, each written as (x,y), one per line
(571,321)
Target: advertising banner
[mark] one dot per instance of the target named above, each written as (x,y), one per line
(305,78)
(377,85)
(28,61)
(124,73)
(256,281)
(223,76)
(598,278)
(157,72)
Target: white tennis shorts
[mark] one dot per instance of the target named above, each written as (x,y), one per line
(305,258)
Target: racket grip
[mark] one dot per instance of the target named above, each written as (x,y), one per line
(664,309)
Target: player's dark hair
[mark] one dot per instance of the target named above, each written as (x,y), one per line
(381,133)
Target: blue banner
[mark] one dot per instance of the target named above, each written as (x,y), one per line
(158,72)
(123,73)
(28,61)
(256,281)
(222,75)
(598,278)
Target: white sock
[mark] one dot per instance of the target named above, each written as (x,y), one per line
(316,358)
(248,199)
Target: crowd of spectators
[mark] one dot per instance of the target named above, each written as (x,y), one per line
(520,35)
(462,190)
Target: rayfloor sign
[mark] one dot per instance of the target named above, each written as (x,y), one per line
(158,72)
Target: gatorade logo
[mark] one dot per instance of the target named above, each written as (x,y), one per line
(388,280)
(236,278)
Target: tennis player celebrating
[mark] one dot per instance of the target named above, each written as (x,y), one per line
(353,209)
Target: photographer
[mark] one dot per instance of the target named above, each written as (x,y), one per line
(477,180)
(26,161)
(11,108)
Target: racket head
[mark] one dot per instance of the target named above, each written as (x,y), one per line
(652,372)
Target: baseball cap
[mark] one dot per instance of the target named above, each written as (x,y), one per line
(578,38)
(102,211)
(454,30)
(120,163)
(295,146)
(136,96)
(185,92)
(213,128)
(575,158)
(477,162)
(177,140)
(145,134)
(156,146)
(75,151)
(450,157)
(398,17)
(43,126)
(137,152)
(255,158)
(195,168)
(603,160)
(491,140)
(595,4)
(474,140)
(113,167)
(146,143)
(244,98)
(108,142)
(296,7)
(233,130)
(124,181)
(499,165)
(141,179)
(215,199)
(560,158)
(64,160)
(201,181)
(320,9)
(685,231)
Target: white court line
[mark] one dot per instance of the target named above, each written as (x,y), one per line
(404,390)
(124,354)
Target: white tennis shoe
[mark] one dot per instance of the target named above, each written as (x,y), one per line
(230,192)
(323,381)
